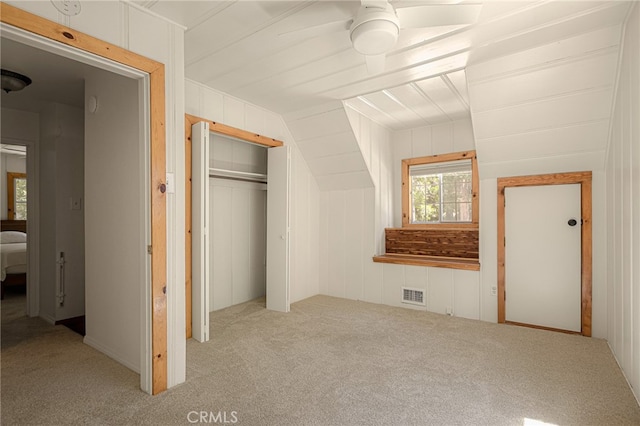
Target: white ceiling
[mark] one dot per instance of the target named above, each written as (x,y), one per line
(246,49)
(54,77)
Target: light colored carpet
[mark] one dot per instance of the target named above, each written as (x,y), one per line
(328,362)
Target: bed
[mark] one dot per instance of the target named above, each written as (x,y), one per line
(13,252)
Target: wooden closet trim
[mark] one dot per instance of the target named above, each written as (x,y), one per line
(232,132)
(223,129)
(582,178)
(37,25)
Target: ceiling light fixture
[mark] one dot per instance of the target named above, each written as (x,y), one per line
(12,81)
(375,30)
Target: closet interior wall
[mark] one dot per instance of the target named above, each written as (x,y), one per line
(238,202)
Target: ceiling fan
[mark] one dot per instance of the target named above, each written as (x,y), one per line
(375,29)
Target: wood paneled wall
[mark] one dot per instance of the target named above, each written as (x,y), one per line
(446,242)
(623,213)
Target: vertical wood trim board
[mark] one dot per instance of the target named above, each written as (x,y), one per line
(37,25)
(405,193)
(587,255)
(475,190)
(582,178)
(188,266)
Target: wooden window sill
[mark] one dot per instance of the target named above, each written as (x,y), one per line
(434,261)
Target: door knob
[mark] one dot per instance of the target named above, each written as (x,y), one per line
(572,222)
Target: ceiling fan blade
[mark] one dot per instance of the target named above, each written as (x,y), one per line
(438,15)
(374,3)
(318,30)
(375,63)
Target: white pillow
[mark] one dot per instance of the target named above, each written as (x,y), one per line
(12,237)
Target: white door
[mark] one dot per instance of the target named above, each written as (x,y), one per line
(200,231)
(278,172)
(543,256)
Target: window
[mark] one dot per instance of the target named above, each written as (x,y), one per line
(440,190)
(17,196)
(440,214)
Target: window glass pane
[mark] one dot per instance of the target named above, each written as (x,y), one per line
(441,193)
(449,212)
(20,198)
(21,211)
(464,212)
(21,190)
(425,199)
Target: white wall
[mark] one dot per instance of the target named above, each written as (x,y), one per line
(19,127)
(353,220)
(353,223)
(238,250)
(70,208)
(210,104)
(61,179)
(47,202)
(446,290)
(114,203)
(238,222)
(623,211)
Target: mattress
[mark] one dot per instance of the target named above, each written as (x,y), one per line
(14,258)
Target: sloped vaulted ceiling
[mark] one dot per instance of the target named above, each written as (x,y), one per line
(536,77)
(542,102)
(328,143)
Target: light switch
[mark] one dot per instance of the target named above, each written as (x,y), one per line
(170,183)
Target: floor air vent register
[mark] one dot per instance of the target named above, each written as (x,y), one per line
(413,296)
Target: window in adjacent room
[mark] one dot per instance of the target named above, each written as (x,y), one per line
(440,190)
(17,196)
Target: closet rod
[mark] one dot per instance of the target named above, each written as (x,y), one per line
(241,179)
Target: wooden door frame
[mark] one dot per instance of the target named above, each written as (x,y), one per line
(582,178)
(223,129)
(34,24)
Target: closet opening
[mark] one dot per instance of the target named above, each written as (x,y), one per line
(238,218)
(237,221)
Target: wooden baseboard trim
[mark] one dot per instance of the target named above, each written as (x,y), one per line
(540,327)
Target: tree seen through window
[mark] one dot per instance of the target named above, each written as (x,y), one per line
(441,197)
(20,199)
